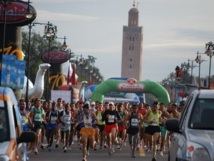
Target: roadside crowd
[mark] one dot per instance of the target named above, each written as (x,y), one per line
(98,125)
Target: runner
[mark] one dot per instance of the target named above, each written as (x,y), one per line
(38,116)
(52,118)
(66,126)
(142,110)
(100,125)
(110,117)
(72,131)
(153,118)
(135,121)
(60,108)
(87,132)
(121,127)
(77,119)
(164,116)
(46,108)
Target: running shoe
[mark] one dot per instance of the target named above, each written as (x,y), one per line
(148,149)
(49,148)
(36,151)
(153,159)
(56,146)
(112,149)
(161,153)
(88,152)
(65,149)
(69,148)
(42,147)
(109,152)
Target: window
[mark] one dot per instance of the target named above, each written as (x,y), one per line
(4,127)
(202,114)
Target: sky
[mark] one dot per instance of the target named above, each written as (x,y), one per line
(173,32)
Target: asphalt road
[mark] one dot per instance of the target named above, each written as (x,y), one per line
(75,154)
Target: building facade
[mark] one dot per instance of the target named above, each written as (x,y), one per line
(132,46)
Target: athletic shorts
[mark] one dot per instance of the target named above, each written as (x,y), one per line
(152,129)
(163,131)
(108,128)
(101,127)
(89,132)
(121,128)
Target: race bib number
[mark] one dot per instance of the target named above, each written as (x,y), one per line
(111,118)
(134,122)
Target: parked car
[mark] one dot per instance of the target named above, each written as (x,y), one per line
(12,138)
(193,132)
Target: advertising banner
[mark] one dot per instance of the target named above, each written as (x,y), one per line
(13,72)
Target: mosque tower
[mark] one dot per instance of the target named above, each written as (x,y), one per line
(132,46)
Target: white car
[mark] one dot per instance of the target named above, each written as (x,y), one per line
(12,137)
(193,133)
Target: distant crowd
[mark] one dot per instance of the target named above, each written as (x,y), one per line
(98,125)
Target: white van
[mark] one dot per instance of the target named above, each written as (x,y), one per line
(12,138)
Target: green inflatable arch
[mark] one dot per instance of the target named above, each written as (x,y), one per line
(130,86)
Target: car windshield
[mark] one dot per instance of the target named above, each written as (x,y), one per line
(202,115)
(4,127)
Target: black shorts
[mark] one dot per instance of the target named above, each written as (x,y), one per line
(152,129)
(101,127)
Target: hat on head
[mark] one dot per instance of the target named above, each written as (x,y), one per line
(111,103)
(92,103)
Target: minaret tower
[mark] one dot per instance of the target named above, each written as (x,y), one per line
(132,46)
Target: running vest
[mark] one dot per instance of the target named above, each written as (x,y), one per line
(52,117)
(99,117)
(133,124)
(121,114)
(25,123)
(66,119)
(87,121)
(37,119)
(154,117)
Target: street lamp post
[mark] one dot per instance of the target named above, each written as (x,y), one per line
(192,66)
(209,51)
(199,61)
(28,16)
(5,4)
(50,34)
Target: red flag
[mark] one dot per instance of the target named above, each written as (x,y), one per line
(73,76)
(69,74)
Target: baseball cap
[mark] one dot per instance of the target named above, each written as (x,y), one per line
(111,103)
(92,103)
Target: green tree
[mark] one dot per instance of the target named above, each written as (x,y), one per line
(38,46)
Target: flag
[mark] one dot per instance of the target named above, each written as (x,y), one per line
(69,74)
(73,76)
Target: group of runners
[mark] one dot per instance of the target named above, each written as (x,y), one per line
(98,125)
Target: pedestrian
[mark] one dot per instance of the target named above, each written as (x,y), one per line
(153,118)
(52,118)
(38,117)
(134,121)
(111,117)
(87,131)
(66,126)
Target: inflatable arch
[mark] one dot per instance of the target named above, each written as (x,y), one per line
(131,85)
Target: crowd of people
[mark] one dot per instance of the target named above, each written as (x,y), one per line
(98,125)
